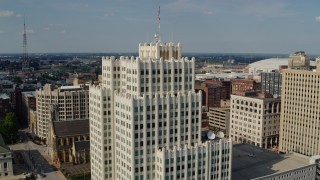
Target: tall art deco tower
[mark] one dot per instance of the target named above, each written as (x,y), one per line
(145,120)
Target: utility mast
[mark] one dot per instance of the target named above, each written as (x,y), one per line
(25,57)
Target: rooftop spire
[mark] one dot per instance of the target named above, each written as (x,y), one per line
(157,37)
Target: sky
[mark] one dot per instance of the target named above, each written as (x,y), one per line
(201,26)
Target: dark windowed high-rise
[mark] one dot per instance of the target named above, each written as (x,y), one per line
(271,83)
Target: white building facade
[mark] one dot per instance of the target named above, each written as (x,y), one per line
(6,167)
(157,50)
(300,115)
(255,120)
(143,105)
(60,104)
(203,161)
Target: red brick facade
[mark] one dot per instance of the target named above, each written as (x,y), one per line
(242,85)
(213,92)
(5,106)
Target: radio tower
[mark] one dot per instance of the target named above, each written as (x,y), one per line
(25,57)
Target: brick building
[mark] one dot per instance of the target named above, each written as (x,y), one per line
(28,103)
(18,102)
(213,92)
(244,85)
(5,105)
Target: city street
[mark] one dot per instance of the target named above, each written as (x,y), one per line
(31,157)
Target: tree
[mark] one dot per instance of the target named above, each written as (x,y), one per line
(17,79)
(34,64)
(9,128)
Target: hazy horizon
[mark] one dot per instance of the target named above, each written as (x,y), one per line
(212,26)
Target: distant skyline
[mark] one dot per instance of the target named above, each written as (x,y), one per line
(205,26)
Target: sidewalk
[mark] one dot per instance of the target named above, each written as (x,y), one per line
(21,176)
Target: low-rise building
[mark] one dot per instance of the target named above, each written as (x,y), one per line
(306,172)
(6,85)
(6,168)
(219,120)
(252,162)
(255,120)
(69,142)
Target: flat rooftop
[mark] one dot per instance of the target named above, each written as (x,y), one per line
(4,96)
(70,87)
(223,75)
(29,94)
(262,162)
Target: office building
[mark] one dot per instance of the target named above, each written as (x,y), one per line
(28,103)
(299,124)
(255,120)
(213,91)
(219,120)
(145,109)
(299,60)
(241,85)
(60,104)
(271,83)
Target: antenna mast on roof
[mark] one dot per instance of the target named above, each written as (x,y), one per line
(157,38)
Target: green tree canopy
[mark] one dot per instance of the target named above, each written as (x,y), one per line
(17,79)
(9,128)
